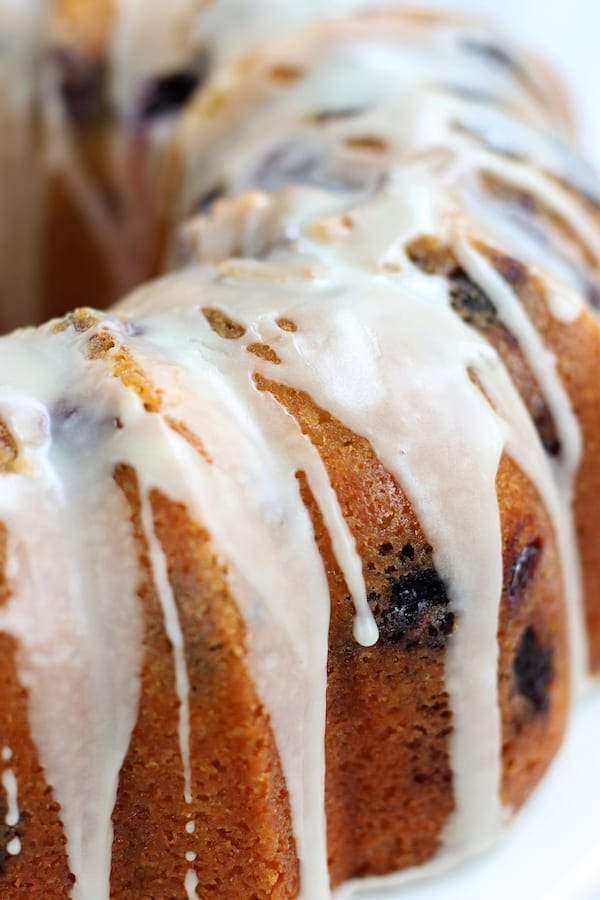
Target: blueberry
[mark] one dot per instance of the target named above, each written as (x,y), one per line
(469,301)
(533,670)
(168,95)
(414,609)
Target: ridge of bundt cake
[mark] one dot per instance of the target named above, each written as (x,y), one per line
(290,587)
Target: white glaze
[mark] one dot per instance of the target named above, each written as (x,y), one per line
(13,848)
(9,783)
(190,884)
(175,635)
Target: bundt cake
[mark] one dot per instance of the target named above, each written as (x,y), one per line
(300,543)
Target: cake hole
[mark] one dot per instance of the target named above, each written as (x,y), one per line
(222,324)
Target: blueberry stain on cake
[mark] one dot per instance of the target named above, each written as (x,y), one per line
(411,608)
(469,301)
(533,670)
(166,96)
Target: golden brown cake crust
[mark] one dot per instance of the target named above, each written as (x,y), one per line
(242,835)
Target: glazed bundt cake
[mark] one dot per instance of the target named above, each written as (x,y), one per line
(300,543)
